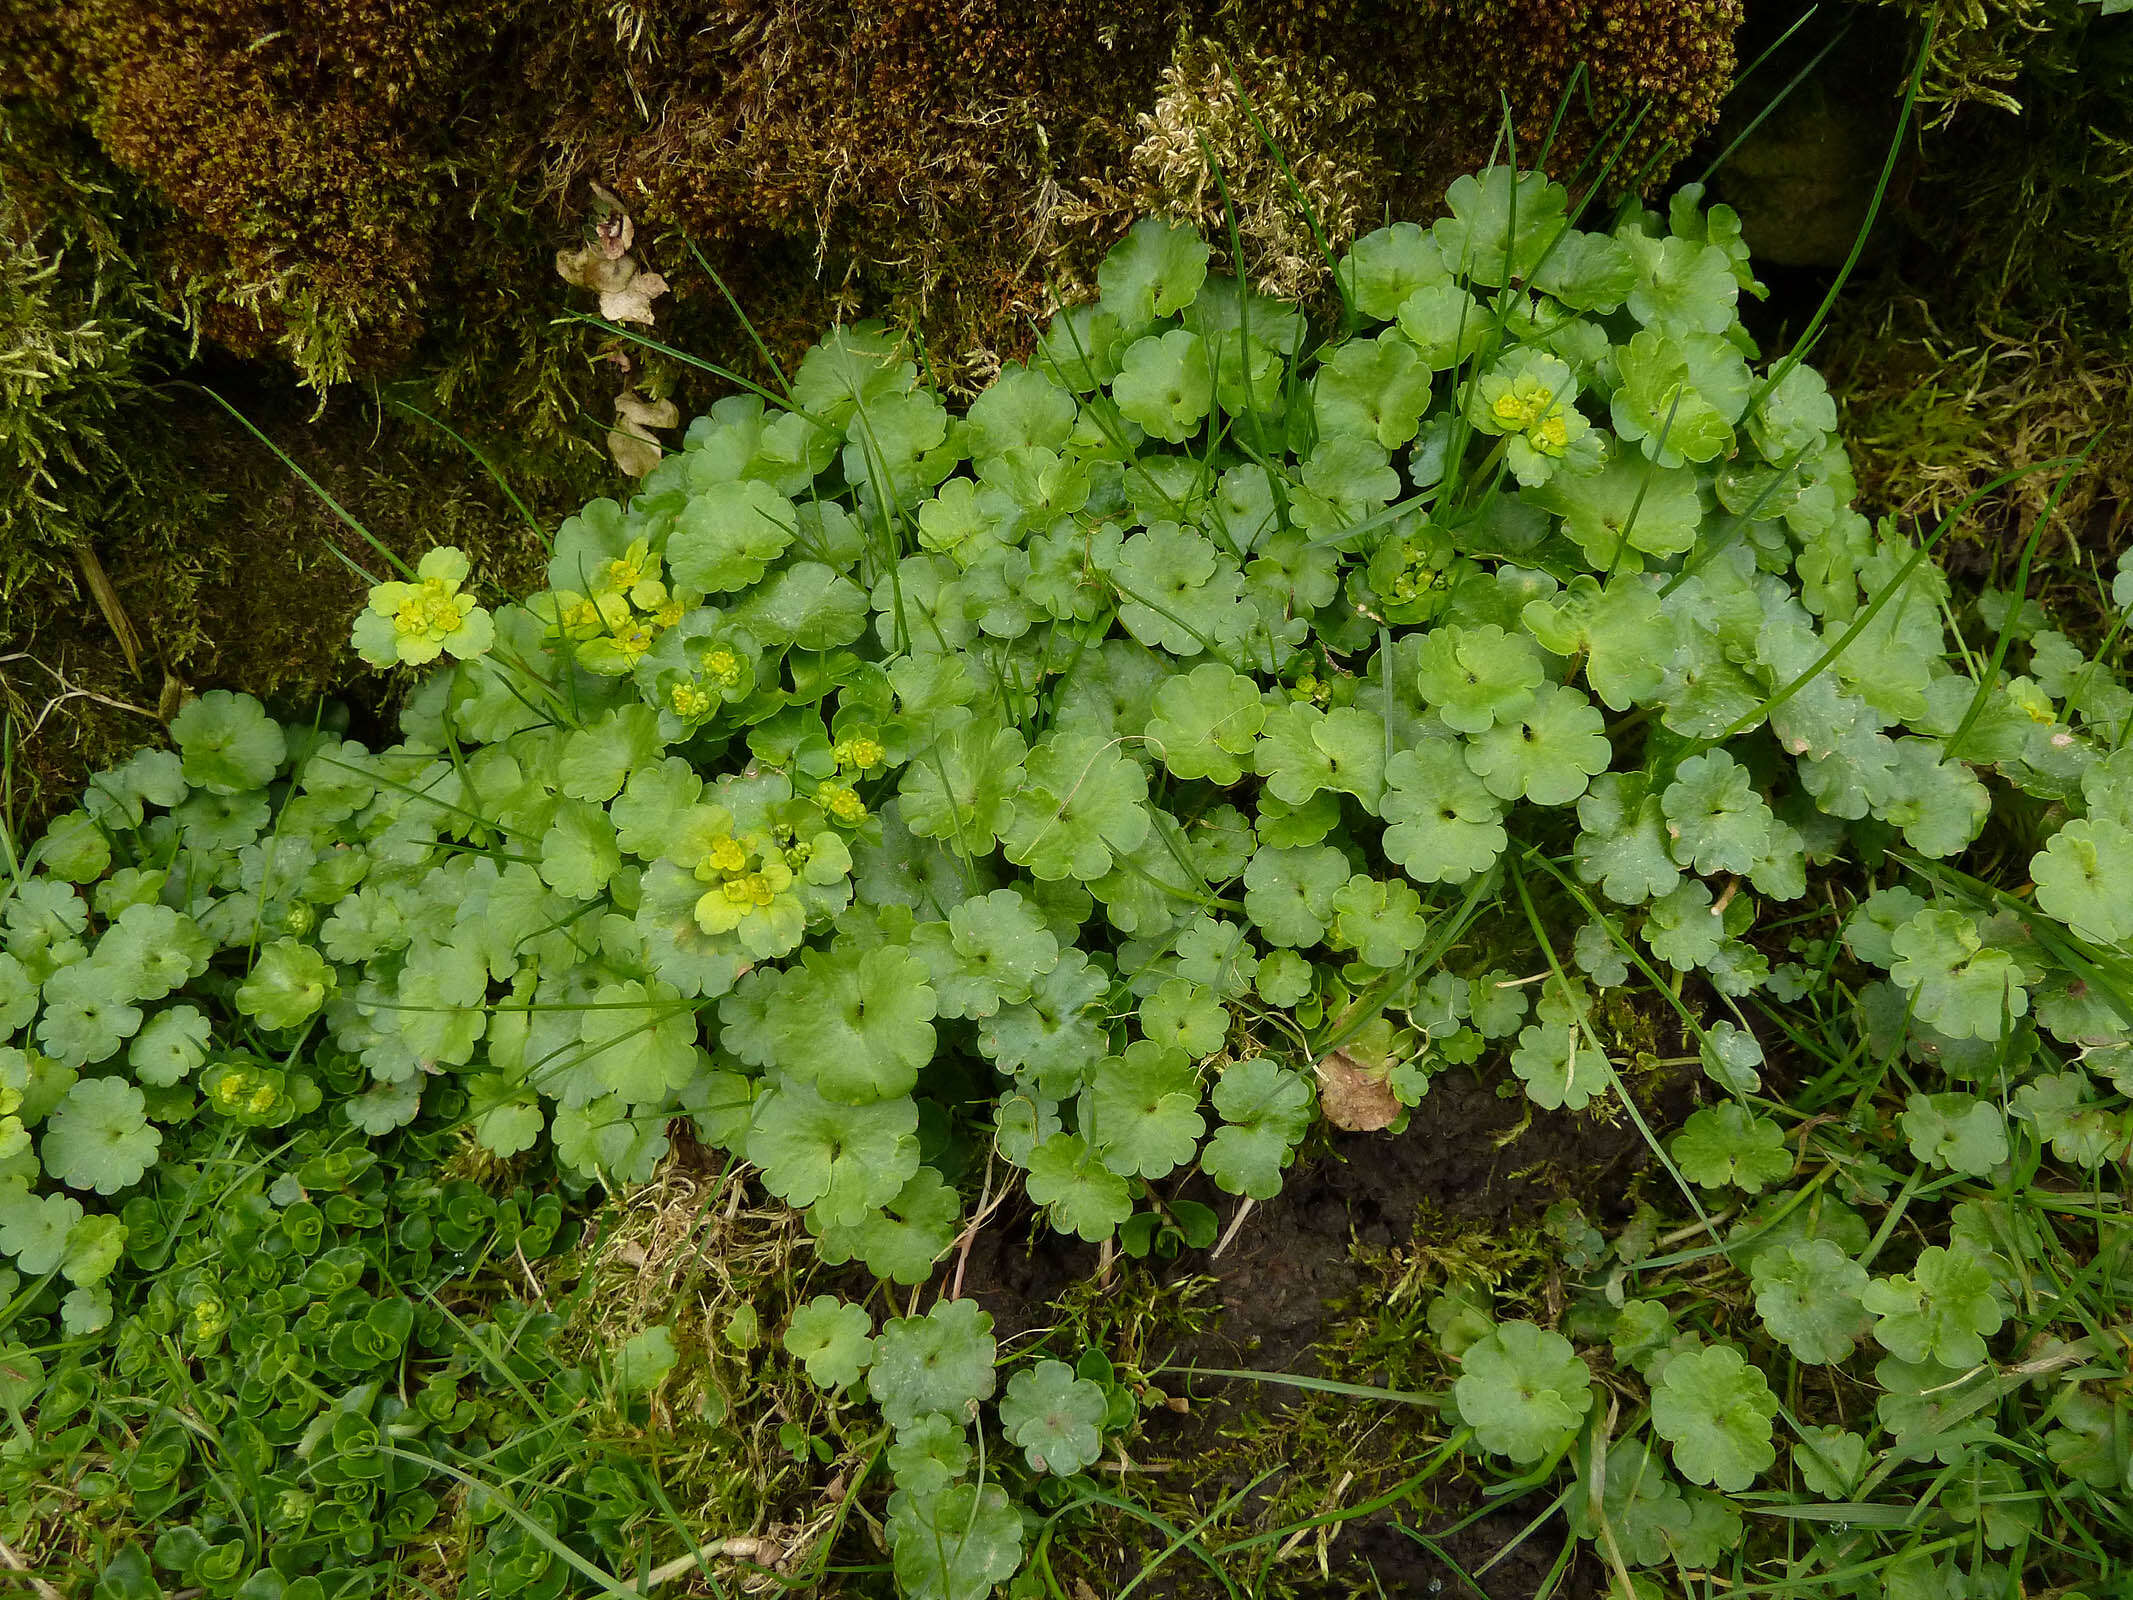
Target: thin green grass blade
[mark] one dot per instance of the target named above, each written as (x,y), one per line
(312,484)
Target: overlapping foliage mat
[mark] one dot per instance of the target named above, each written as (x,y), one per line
(1227,726)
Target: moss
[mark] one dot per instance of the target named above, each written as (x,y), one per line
(1323,125)
(331,173)
(1649,73)
(2038,202)
(2015,194)
(1978,51)
(375,187)
(1207,151)
(374,190)
(82,335)
(1995,334)
(301,151)
(71,359)
(683,1252)
(1934,414)
(224,563)
(372,187)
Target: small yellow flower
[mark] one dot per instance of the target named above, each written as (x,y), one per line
(689,701)
(736,889)
(417,622)
(859,751)
(635,574)
(1528,397)
(2034,702)
(1525,403)
(755,888)
(842,802)
(669,614)
(723,665)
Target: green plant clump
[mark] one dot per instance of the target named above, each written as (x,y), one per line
(1222,722)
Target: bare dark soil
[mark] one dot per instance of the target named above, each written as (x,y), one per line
(1294,1279)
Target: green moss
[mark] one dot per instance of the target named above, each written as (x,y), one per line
(1995,335)
(1935,413)
(70,367)
(371,193)
(82,333)
(1979,49)
(2040,201)
(371,188)
(301,151)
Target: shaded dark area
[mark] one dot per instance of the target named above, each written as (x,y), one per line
(1302,1271)
(1985,326)
(232,573)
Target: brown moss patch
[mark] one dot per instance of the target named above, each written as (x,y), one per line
(320,165)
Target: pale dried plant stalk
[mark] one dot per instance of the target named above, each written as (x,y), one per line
(1212,112)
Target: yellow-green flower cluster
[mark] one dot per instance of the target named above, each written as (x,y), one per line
(761,877)
(695,669)
(417,622)
(243,1094)
(722,665)
(859,752)
(611,624)
(1528,397)
(207,1316)
(842,802)
(721,671)
(1310,687)
(1412,575)
(1531,408)
(742,875)
(1530,402)
(251,1092)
